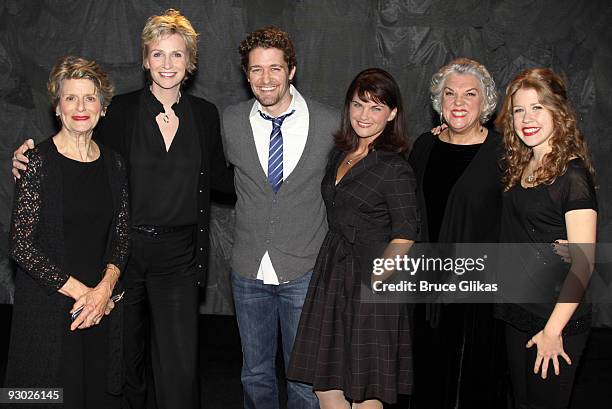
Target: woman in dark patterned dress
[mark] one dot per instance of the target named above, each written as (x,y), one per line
(348,349)
(69,237)
(549,193)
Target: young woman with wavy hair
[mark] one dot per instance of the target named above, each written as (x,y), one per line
(548,193)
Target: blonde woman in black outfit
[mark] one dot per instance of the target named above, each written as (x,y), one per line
(171,142)
(549,192)
(70,238)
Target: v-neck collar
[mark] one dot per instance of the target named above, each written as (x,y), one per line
(367,162)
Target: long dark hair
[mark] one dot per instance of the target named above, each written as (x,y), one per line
(374,84)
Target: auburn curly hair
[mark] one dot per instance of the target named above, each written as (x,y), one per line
(566,141)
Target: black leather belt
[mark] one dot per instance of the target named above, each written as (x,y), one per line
(157,230)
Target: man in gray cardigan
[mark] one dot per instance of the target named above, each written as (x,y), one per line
(278,143)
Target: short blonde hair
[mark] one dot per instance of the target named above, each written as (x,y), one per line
(171,22)
(71,67)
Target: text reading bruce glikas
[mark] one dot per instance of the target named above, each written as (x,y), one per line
(411,265)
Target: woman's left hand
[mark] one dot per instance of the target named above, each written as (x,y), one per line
(550,347)
(95,304)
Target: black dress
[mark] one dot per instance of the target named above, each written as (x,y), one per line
(363,349)
(88,214)
(69,219)
(456,345)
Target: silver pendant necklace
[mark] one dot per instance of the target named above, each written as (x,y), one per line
(164,115)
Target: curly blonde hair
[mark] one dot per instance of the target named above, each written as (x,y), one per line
(71,67)
(171,22)
(566,141)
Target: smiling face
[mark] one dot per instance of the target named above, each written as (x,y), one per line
(533,123)
(462,102)
(167,61)
(369,118)
(79,106)
(269,77)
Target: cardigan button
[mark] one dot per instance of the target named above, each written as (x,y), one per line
(200,190)
(201,210)
(199,265)
(201,248)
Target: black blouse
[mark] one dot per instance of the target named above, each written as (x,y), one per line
(164,183)
(121,125)
(537,215)
(87,214)
(446,164)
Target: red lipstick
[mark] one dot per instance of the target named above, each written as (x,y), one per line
(80,117)
(532,132)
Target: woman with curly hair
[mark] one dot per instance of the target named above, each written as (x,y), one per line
(548,193)
(460,195)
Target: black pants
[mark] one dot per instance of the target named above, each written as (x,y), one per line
(160,284)
(529,389)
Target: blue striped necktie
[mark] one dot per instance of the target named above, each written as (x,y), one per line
(275,154)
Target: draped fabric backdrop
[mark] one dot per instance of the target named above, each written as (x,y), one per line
(334,39)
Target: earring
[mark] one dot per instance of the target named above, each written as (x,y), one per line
(442,122)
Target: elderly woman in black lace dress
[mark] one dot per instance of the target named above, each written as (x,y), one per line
(69,237)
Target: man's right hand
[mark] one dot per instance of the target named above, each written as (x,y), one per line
(19,159)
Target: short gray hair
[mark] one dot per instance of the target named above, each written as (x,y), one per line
(71,67)
(465,66)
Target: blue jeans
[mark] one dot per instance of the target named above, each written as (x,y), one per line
(259,308)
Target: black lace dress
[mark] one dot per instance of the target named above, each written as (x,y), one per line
(69,219)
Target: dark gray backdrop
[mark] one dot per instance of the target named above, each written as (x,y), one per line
(334,40)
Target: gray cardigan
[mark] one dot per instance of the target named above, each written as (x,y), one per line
(291,224)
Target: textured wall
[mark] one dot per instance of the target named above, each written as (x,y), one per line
(334,39)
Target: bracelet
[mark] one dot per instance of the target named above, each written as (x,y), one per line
(113,268)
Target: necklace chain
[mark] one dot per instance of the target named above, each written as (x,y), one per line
(351,161)
(530,178)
